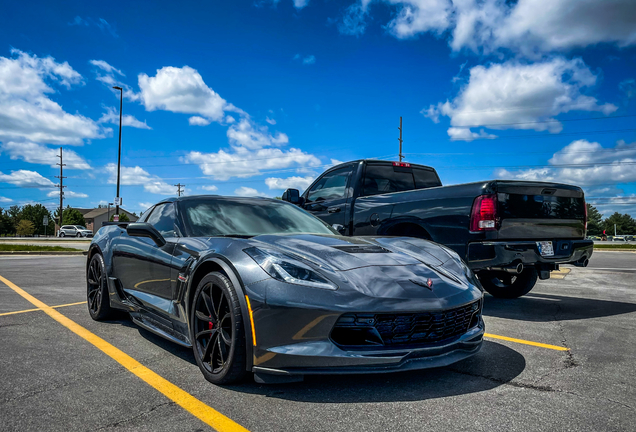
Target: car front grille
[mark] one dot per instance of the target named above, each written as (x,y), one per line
(367,330)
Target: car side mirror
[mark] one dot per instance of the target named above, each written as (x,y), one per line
(143,229)
(340,228)
(291,196)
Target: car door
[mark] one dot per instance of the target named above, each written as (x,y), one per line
(142,267)
(328,197)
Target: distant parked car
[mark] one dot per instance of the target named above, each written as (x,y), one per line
(74,231)
(619,239)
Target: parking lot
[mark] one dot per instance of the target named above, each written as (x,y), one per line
(560,358)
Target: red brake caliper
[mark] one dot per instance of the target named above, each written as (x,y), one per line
(211,325)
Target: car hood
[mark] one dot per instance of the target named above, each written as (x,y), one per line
(338,253)
(397,268)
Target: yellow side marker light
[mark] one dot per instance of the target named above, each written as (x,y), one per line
(249,309)
(525,342)
(185,400)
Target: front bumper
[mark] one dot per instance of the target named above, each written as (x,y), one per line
(487,254)
(323,357)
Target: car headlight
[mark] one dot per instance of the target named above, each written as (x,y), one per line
(288,269)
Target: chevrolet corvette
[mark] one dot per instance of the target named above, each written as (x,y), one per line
(260,286)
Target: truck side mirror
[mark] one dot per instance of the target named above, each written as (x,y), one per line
(291,196)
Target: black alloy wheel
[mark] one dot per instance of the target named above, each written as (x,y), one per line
(216,329)
(508,285)
(97,289)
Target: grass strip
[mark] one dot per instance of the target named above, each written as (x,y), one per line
(34,248)
(615,246)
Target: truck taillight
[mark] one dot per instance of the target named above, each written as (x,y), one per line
(585,206)
(483,216)
(402,164)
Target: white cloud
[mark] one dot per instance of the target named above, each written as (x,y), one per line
(270,121)
(526,26)
(299,4)
(597,165)
(182,90)
(137,176)
(40,154)
(300,183)
(354,19)
(5,199)
(247,134)
(101,64)
(210,188)
(243,163)
(198,121)
(248,192)
(465,134)
(307,60)
(26,179)
(100,23)
(628,87)
(67,194)
(515,95)
(26,113)
(112,116)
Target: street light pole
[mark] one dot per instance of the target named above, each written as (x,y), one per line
(121,103)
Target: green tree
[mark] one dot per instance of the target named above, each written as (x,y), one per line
(25,228)
(594,221)
(6,226)
(35,213)
(123,217)
(73,216)
(625,224)
(15,214)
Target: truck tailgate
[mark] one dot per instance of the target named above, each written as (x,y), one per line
(537,210)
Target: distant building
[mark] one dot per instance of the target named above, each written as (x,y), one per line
(95,216)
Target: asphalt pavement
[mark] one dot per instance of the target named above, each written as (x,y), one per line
(52,379)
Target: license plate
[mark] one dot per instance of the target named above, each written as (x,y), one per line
(545,248)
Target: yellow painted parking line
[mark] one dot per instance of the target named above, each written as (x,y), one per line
(182,398)
(526,342)
(560,274)
(39,309)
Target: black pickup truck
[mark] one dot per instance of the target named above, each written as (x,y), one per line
(508,232)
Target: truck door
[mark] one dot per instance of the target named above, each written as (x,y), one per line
(328,197)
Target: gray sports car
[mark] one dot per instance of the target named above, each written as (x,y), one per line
(259,285)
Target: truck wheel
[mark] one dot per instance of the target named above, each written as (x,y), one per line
(506,285)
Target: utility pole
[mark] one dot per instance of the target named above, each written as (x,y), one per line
(400,139)
(61,177)
(118,199)
(179,186)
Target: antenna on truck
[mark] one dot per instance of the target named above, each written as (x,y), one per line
(400,139)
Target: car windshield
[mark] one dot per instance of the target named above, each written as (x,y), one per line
(80,227)
(243,217)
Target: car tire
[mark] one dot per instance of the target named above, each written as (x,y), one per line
(78,235)
(62,234)
(97,289)
(506,285)
(216,330)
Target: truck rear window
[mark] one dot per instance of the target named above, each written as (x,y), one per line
(379,179)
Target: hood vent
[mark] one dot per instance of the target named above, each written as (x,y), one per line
(356,249)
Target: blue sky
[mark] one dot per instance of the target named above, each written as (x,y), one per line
(250,97)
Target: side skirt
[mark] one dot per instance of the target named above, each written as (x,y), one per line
(147,322)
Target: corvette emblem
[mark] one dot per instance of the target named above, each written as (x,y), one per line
(428,284)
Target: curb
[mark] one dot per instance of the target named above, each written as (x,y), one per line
(43,253)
